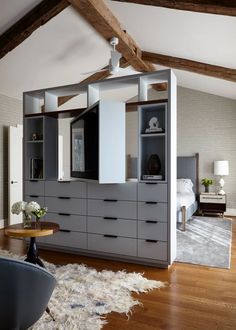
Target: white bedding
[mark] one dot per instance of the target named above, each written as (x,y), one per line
(185,199)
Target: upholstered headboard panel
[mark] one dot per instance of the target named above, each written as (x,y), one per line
(188,167)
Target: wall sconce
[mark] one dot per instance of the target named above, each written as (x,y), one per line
(221,168)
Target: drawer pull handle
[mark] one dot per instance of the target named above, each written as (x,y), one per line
(33,180)
(149,202)
(109,218)
(61,181)
(151,221)
(63,197)
(110,200)
(34,196)
(66,214)
(151,182)
(64,230)
(151,241)
(113,236)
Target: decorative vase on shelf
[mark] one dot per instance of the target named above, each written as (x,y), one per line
(206,189)
(26,220)
(154,165)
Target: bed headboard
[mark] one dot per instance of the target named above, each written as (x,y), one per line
(188,167)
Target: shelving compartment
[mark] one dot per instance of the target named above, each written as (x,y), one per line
(153,142)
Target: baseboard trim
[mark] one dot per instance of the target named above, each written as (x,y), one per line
(230,212)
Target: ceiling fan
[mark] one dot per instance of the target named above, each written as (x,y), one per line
(114,61)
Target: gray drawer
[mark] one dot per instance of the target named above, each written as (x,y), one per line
(125,191)
(40,200)
(152,192)
(110,208)
(68,221)
(112,226)
(34,188)
(70,239)
(152,230)
(71,205)
(117,245)
(156,211)
(153,250)
(74,189)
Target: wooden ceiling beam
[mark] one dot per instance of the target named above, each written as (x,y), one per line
(191,66)
(23,28)
(218,7)
(104,22)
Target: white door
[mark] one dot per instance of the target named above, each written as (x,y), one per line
(15,183)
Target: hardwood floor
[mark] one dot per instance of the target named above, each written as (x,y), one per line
(195,297)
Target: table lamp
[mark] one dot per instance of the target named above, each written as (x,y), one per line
(221,168)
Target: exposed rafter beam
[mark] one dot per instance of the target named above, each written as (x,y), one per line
(104,22)
(219,7)
(192,66)
(22,29)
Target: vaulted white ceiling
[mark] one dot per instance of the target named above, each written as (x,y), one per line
(58,52)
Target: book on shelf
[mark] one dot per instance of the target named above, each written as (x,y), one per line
(208,193)
(152,177)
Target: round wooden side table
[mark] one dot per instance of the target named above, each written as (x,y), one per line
(37,229)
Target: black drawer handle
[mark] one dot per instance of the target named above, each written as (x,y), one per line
(34,196)
(149,202)
(66,214)
(65,230)
(151,182)
(151,241)
(32,180)
(113,236)
(151,221)
(61,181)
(109,218)
(63,197)
(110,200)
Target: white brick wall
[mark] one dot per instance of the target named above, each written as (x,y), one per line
(11,113)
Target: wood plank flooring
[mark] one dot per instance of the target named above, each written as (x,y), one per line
(196,297)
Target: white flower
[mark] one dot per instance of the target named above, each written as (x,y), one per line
(32,207)
(18,207)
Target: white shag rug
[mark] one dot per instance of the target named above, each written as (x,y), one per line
(83,296)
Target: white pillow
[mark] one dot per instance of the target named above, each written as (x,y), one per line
(184,186)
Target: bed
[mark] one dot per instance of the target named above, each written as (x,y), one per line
(187,188)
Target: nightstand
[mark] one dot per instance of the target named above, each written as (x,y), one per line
(212,203)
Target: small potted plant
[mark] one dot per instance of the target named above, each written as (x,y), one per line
(206,183)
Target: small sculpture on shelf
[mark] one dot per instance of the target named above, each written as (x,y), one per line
(153,168)
(154,126)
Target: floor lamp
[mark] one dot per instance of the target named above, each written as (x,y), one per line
(221,168)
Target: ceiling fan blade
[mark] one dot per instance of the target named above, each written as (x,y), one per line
(94,71)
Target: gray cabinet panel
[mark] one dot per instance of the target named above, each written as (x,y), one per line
(70,239)
(112,226)
(156,211)
(152,230)
(120,209)
(74,189)
(117,245)
(125,191)
(152,192)
(153,250)
(68,221)
(34,188)
(71,205)
(40,200)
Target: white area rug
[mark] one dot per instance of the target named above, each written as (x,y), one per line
(83,296)
(206,241)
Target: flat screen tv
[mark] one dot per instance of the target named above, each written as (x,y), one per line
(84,144)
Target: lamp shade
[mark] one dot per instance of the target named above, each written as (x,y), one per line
(221,167)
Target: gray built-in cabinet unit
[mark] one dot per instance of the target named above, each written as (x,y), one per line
(133,221)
